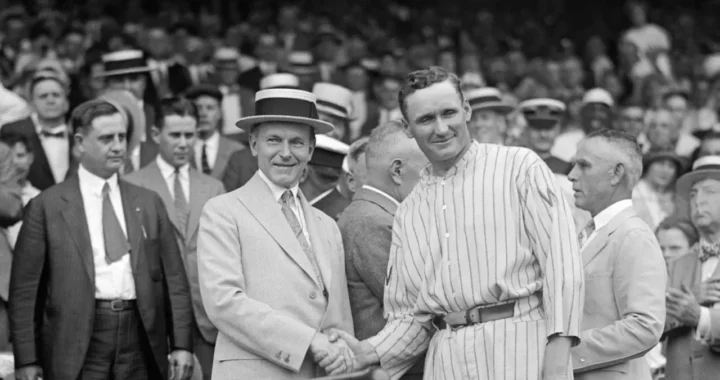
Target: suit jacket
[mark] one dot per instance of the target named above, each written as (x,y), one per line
(259,287)
(241,166)
(202,188)
(333,204)
(372,118)
(688,358)
(11,211)
(624,314)
(52,287)
(226,148)
(40,175)
(148,153)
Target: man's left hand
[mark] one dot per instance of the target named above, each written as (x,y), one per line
(683,306)
(181,365)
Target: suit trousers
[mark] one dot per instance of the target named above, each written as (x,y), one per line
(119,348)
(204,352)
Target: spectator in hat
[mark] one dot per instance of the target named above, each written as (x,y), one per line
(358,76)
(284,307)
(47,131)
(334,105)
(302,64)
(212,151)
(383,105)
(280,80)
(654,195)
(488,123)
(326,48)
(693,321)
(543,117)
(266,53)
(227,72)
(321,182)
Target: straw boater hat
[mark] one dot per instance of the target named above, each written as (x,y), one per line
(124,62)
(302,63)
(226,58)
(542,113)
(707,167)
(333,100)
(288,105)
(487,98)
(279,80)
(598,96)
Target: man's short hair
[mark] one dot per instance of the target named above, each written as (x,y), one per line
(381,141)
(418,80)
(357,148)
(175,106)
(631,156)
(12,138)
(84,114)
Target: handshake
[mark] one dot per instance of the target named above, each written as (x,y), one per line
(338,352)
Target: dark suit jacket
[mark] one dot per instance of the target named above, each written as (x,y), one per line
(40,175)
(52,286)
(11,211)
(332,204)
(241,166)
(372,118)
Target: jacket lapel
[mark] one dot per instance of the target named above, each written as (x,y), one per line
(133,222)
(198,197)
(39,152)
(74,214)
(317,241)
(374,197)
(158,184)
(601,239)
(258,199)
(221,160)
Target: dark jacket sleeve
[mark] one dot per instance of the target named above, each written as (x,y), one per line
(11,208)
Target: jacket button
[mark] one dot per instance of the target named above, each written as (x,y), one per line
(582,360)
(287,358)
(313,295)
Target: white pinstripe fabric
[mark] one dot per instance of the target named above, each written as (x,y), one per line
(494,229)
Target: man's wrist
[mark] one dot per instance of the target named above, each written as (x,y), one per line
(369,355)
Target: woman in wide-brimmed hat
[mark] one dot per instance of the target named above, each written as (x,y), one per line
(654,195)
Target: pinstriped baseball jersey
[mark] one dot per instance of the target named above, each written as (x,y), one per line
(494,229)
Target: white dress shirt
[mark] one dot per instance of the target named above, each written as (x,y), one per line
(213,144)
(115,280)
(384,194)
(57,150)
(605,216)
(231,110)
(277,193)
(359,114)
(168,174)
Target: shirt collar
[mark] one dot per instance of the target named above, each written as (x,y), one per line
(384,194)
(605,216)
(38,127)
(276,190)
(168,171)
(212,141)
(428,177)
(95,184)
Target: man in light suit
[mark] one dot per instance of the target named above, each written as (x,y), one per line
(171,177)
(693,298)
(271,267)
(394,162)
(625,273)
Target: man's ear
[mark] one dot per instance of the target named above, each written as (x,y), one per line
(468,110)
(395,171)
(619,171)
(253,144)
(156,134)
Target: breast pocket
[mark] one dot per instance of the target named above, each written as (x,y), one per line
(151,251)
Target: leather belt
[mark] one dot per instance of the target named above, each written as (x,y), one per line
(116,305)
(480,314)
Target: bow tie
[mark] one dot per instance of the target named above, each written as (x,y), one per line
(708,251)
(59,135)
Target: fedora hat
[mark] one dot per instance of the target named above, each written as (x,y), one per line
(542,113)
(279,80)
(707,167)
(329,152)
(333,100)
(285,105)
(124,62)
(128,105)
(488,98)
(204,89)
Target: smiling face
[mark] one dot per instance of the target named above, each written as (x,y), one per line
(283,151)
(437,119)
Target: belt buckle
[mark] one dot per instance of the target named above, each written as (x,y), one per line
(116,305)
(472,316)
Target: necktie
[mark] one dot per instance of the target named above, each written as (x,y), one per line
(707,251)
(204,160)
(286,198)
(116,243)
(57,135)
(586,232)
(180,202)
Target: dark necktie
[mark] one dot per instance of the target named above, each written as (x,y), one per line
(57,135)
(204,160)
(286,200)
(116,243)
(708,251)
(180,202)
(586,232)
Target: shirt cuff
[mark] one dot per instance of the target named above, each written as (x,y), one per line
(703,327)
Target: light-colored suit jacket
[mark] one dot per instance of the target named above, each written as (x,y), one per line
(687,357)
(202,188)
(259,287)
(624,314)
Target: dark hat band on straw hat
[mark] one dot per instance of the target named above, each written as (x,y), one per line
(333,106)
(125,64)
(286,107)
(483,100)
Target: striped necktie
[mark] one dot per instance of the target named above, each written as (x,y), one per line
(180,203)
(286,200)
(586,232)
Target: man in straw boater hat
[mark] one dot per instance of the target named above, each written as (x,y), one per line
(302,64)
(323,178)
(692,328)
(279,80)
(227,71)
(334,104)
(489,115)
(271,267)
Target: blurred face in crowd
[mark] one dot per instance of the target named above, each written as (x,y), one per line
(437,118)
(709,147)
(705,204)
(632,120)
(446,60)
(340,124)
(22,160)
(288,17)
(663,130)
(176,139)
(541,140)
(487,126)
(554,73)
(572,73)
(595,47)
(678,105)
(49,99)
(327,50)
(612,84)
(637,14)
(93,84)
(388,64)
(498,70)
(661,173)
(135,83)
(595,116)
(14,31)
(267,48)
(357,79)
(387,92)
(356,48)
(103,145)
(517,63)
(74,44)
(228,73)
(673,243)
(209,114)
(158,43)
(282,150)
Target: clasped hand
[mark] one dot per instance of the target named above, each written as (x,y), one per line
(334,357)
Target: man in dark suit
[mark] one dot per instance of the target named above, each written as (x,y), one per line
(46,131)
(97,288)
(184,192)
(394,161)
(320,183)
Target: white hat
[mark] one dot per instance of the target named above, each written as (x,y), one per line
(288,105)
(227,57)
(279,80)
(329,152)
(333,99)
(487,98)
(599,96)
(124,62)
(302,62)
(703,168)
